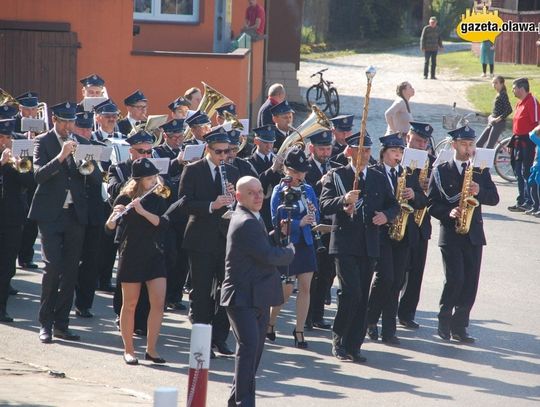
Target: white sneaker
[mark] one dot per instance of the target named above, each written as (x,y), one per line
(483,75)
(491,75)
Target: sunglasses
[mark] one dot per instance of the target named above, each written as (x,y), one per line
(141,151)
(219,151)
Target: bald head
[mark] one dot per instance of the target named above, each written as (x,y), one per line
(249,193)
(277,91)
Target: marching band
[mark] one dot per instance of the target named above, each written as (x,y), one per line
(366,222)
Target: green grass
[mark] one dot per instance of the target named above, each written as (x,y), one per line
(466,65)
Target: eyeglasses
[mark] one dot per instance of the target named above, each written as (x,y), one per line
(142,151)
(218,151)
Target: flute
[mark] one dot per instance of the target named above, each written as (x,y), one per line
(130,205)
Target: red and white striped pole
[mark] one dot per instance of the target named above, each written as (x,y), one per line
(199,363)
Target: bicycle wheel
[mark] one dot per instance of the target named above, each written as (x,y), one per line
(316,96)
(501,162)
(442,145)
(333,102)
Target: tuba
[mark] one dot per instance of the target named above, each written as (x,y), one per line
(399,225)
(212,100)
(419,214)
(316,122)
(152,126)
(467,203)
(7,99)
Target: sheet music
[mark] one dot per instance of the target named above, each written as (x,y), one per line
(33,125)
(245,123)
(22,148)
(90,102)
(443,157)
(162,164)
(88,152)
(413,158)
(193,152)
(106,153)
(155,121)
(484,157)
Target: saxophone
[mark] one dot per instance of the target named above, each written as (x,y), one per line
(420,213)
(467,203)
(398,226)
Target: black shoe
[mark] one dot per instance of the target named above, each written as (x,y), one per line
(444,332)
(12,291)
(356,357)
(462,336)
(425,77)
(45,335)
(66,334)
(339,352)
(83,313)
(271,336)
(30,265)
(140,332)
(322,324)
(130,359)
(373,332)
(107,288)
(433,77)
(4,316)
(299,343)
(223,348)
(212,354)
(409,323)
(308,325)
(153,359)
(392,340)
(176,305)
(517,208)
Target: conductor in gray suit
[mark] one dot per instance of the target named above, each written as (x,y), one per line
(251,286)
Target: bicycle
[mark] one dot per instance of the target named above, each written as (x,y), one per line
(323,95)
(501,160)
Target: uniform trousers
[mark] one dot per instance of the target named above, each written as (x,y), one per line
(249,328)
(61,244)
(462,272)
(88,268)
(10,239)
(322,282)
(389,278)
(29,235)
(108,255)
(177,265)
(354,274)
(410,294)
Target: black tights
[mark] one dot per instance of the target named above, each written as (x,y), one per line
(490,68)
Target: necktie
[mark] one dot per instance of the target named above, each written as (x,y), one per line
(324,168)
(266,160)
(361,183)
(393,176)
(217,181)
(463,168)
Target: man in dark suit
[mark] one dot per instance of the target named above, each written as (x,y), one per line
(106,119)
(251,286)
(391,267)
(203,199)
(276,94)
(13,210)
(282,117)
(137,107)
(358,217)
(418,138)
(319,164)
(244,167)
(91,253)
(342,129)
(461,253)
(60,207)
(268,166)
(93,86)
(200,126)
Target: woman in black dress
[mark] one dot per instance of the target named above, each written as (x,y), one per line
(139,233)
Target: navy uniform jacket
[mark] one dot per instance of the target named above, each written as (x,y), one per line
(13,201)
(124,126)
(412,233)
(205,231)
(118,176)
(54,179)
(264,117)
(251,276)
(269,179)
(343,160)
(451,182)
(172,179)
(245,168)
(314,175)
(348,233)
(337,149)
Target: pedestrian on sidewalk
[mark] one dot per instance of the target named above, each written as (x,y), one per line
(487,57)
(497,119)
(430,44)
(398,116)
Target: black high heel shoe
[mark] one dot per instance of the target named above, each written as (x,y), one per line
(301,344)
(271,336)
(153,359)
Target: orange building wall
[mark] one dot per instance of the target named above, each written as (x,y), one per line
(104,29)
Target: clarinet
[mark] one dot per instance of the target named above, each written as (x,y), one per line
(224,182)
(317,241)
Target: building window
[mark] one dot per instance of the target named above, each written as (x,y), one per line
(186,11)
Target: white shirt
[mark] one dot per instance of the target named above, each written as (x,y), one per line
(213,172)
(270,155)
(389,176)
(69,199)
(458,164)
(363,172)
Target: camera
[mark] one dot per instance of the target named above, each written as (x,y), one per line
(289,196)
